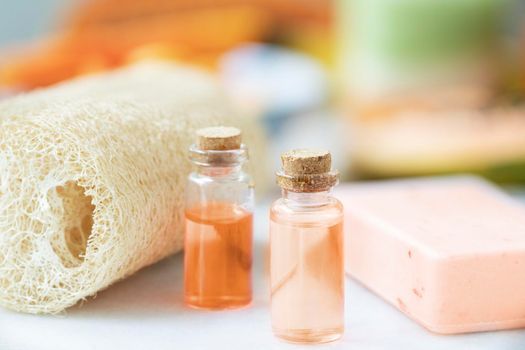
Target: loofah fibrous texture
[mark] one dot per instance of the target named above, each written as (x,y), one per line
(92,176)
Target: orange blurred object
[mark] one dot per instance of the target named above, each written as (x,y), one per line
(102,34)
(218,256)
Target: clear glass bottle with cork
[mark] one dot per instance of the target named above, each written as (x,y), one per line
(219,220)
(306,251)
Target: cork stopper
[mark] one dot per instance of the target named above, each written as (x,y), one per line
(307,170)
(306,161)
(219,138)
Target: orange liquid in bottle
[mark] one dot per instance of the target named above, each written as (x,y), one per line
(307,277)
(218,256)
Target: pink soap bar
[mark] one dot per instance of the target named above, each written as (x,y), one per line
(448,252)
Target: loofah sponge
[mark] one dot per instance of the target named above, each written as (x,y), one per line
(92,177)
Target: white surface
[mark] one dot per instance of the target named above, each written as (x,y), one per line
(146,311)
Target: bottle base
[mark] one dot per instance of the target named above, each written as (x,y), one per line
(222,303)
(309,336)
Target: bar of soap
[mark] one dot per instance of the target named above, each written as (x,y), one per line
(448,252)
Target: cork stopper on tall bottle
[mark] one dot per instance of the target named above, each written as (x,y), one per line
(307,170)
(218,138)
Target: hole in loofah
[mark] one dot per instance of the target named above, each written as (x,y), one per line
(75,212)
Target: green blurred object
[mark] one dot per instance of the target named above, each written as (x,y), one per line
(389,47)
(428,31)
(427,89)
(506,173)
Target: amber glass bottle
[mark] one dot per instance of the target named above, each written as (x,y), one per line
(219,216)
(306,251)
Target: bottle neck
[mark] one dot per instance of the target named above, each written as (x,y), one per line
(231,171)
(219,163)
(306,199)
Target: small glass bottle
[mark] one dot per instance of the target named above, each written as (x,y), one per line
(306,251)
(218,225)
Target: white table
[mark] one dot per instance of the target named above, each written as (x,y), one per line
(146,311)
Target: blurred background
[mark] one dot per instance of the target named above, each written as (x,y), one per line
(393,88)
